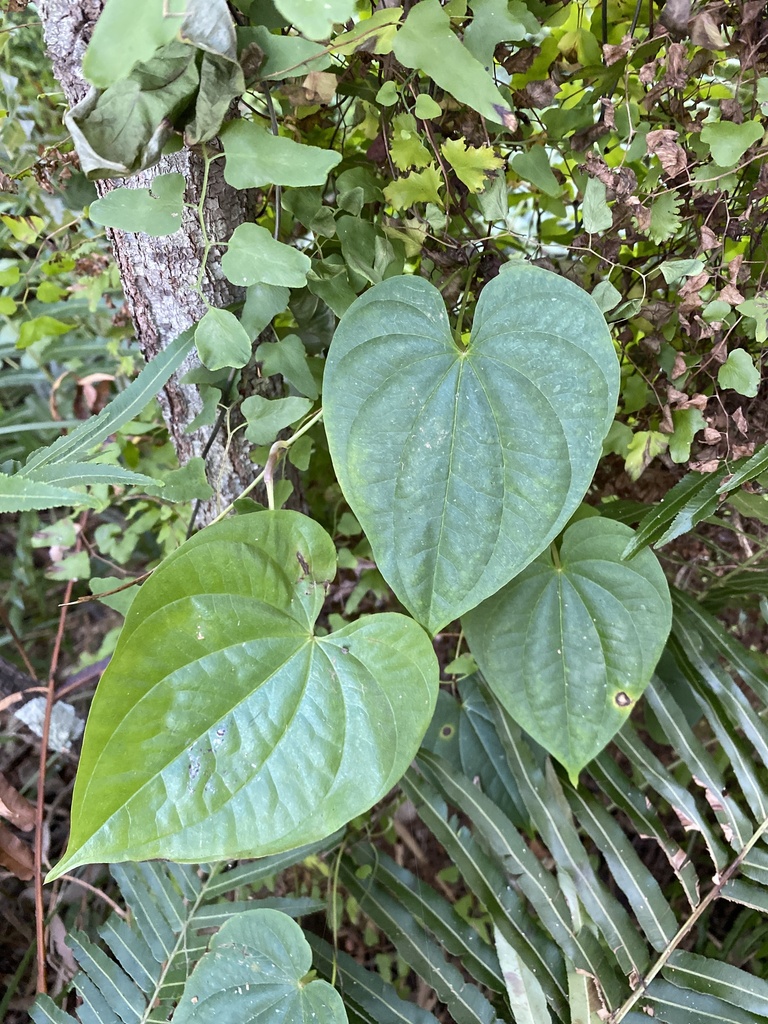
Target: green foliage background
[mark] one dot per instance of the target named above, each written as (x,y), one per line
(618,146)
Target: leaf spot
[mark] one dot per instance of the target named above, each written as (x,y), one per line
(303,563)
(623,700)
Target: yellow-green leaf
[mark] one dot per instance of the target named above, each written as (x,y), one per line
(472,164)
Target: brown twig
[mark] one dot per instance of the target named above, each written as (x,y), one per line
(40,806)
(17,642)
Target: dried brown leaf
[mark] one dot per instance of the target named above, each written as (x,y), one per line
(15,855)
(740,420)
(705,32)
(731,294)
(15,807)
(662,143)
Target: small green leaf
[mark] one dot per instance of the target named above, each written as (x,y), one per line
(739,373)
(156,210)
(268,416)
(289,358)
(665,219)
(642,450)
(221,340)
(254,158)
(757,310)
(472,165)
(262,304)
(595,212)
(406,147)
(416,187)
(315,20)
(674,271)
(258,960)
(42,327)
(534,166)
(265,735)
(606,296)
(415,422)
(687,422)
(387,95)
(254,257)
(426,41)
(426,108)
(728,141)
(569,645)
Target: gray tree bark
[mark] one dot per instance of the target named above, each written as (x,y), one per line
(159,274)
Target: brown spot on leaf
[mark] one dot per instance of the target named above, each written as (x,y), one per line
(622,699)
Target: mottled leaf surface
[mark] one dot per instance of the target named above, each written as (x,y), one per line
(569,648)
(462,464)
(224,726)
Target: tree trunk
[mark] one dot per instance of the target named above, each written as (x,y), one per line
(159,274)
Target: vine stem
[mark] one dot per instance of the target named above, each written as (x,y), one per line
(712,895)
(263,474)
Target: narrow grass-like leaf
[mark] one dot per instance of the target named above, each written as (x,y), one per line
(20,494)
(748,470)
(468,1004)
(634,880)
(120,410)
(673,1005)
(45,1011)
(691,751)
(691,499)
(532,879)
(377,999)
(652,771)
(544,799)
(90,473)
(255,871)
(131,952)
(629,799)
(583,998)
(715,978)
(524,992)
(747,894)
(436,914)
(118,990)
(489,883)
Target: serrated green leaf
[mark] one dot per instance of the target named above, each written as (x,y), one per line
(416,187)
(89,473)
(665,218)
(268,416)
(20,494)
(534,166)
(426,41)
(728,141)
(406,147)
(750,469)
(595,213)
(259,722)
(254,257)
(315,20)
(255,157)
(156,210)
(585,635)
(472,165)
(221,340)
(739,373)
(257,960)
(415,421)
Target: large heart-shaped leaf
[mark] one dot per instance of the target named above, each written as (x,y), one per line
(224,726)
(257,970)
(570,644)
(462,464)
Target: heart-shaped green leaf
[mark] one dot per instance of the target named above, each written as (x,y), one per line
(224,726)
(569,645)
(462,464)
(257,970)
